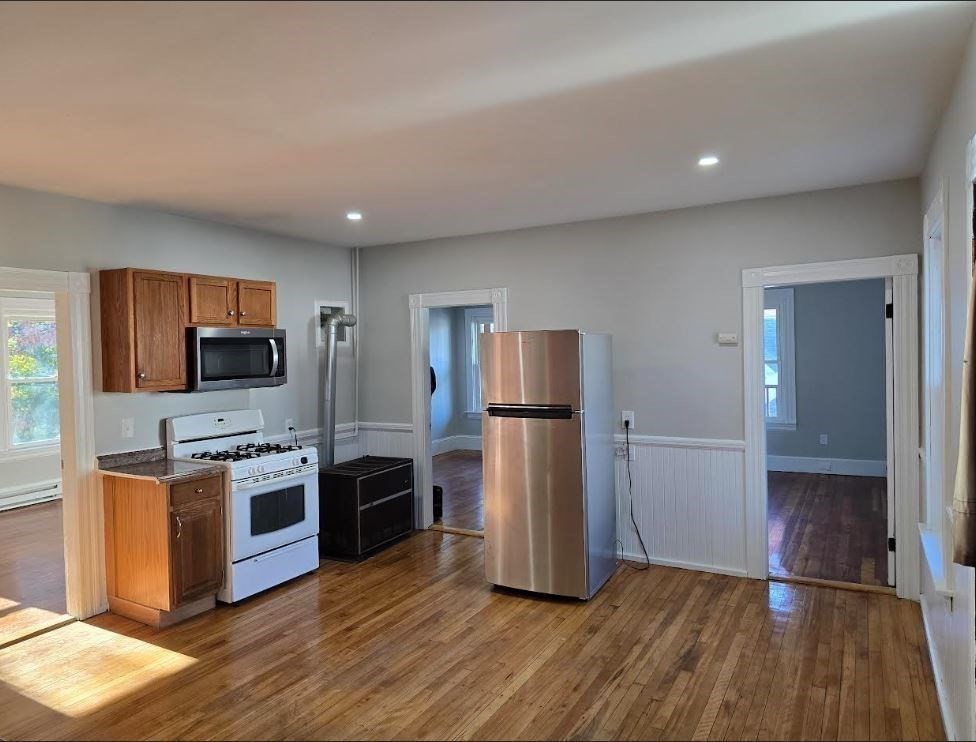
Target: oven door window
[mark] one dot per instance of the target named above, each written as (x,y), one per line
(235,358)
(274,511)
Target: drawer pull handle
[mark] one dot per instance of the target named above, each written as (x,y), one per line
(179,527)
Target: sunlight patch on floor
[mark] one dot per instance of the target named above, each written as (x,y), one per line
(78,669)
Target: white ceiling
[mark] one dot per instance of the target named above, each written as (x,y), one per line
(440,119)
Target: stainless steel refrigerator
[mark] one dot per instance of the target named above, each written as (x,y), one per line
(547,439)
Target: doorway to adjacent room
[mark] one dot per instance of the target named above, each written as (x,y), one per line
(455,414)
(825,349)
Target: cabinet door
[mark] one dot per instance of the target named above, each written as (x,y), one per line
(213,301)
(160,330)
(197,549)
(256,303)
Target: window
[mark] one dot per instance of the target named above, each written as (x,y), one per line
(29,380)
(778,359)
(477,320)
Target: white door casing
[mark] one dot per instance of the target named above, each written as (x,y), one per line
(903,271)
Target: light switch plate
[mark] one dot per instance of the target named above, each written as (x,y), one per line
(823,439)
(727,338)
(128,427)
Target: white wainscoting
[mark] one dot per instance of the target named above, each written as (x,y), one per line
(810,465)
(456,443)
(949,635)
(386,439)
(689,502)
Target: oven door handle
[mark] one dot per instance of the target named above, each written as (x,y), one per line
(274,357)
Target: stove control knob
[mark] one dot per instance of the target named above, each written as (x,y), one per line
(304,459)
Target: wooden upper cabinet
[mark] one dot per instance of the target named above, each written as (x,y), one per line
(160,325)
(256,301)
(145,316)
(213,301)
(143,327)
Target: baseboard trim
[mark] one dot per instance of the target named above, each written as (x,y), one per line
(455,443)
(693,566)
(940,689)
(854,587)
(31,494)
(811,465)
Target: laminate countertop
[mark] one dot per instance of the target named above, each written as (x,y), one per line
(163,471)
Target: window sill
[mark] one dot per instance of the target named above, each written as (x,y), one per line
(780,426)
(29,452)
(934,553)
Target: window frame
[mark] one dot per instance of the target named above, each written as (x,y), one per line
(472,375)
(21,308)
(781,299)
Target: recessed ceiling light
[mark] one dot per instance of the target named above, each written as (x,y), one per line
(354,216)
(707,160)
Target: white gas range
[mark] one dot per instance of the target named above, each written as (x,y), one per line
(272,502)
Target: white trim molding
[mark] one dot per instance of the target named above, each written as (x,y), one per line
(813,465)
(903,272)
(714,444)
(835,270)
(419,306)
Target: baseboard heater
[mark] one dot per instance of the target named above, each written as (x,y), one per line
(365,505)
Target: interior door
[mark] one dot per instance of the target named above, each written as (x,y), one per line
(197,538)
(213,301)
(160,335)
(256,303)
(890,426)
(534,520)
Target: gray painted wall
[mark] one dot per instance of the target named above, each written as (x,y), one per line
(840,373)
(40,230)
(662,284)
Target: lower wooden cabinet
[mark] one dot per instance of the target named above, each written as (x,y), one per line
(164,547)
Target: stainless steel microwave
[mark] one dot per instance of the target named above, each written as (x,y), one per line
(236,358)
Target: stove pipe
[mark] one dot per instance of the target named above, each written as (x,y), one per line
(332,325)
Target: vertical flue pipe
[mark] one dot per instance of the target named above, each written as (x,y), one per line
(332,324)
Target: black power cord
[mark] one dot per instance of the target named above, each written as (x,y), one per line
(630,490)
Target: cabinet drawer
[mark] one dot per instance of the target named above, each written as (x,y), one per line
(385,483)
(198,489)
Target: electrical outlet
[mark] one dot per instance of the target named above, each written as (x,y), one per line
(620,451)
(625,416)
(128,427)
(289,422)
(823,439)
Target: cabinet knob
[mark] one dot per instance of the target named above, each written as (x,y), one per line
(231,313)
(243,314)
(142,375)
(199,490)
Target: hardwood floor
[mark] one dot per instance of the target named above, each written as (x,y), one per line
(828,527)
(459,473)
(413,644)
(31,570)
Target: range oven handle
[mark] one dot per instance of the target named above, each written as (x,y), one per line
(274,357)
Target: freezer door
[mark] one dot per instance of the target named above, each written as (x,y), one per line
(541,367)
(534,520)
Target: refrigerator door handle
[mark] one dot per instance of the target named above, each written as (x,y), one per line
(544,412)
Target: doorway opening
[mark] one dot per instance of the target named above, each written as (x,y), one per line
(826,373)
(455,415)
(32,563)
